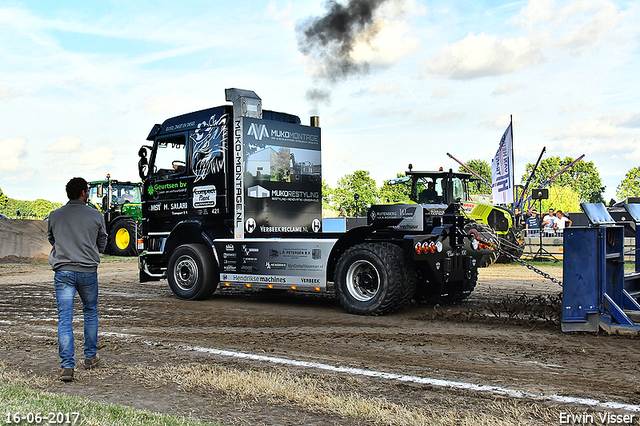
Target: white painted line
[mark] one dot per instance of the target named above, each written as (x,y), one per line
(398,377)
(421,380)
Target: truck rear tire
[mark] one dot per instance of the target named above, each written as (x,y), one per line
(191,272)
(122,238)
(370,279)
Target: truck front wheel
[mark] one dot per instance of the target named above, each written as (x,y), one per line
(369,279)
(191,272)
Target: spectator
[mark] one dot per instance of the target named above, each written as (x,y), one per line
(532,223)
(78,235)
(561,221)
(518,216)
(548,220)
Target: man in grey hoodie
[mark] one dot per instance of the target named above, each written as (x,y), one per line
(78,236)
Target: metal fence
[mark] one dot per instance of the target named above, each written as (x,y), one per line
(546,232)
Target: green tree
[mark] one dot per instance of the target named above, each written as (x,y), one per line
(3,200)
(562,198)
(482,168)
(42,208)
(583,177)
(357,183)
(327,196)
(394,193)
(630,185)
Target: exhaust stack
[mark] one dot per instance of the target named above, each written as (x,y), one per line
(245,103)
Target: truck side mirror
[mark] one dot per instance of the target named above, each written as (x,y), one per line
(143,163)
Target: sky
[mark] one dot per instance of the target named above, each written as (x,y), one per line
(82,82)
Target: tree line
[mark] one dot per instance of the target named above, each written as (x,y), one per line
(579,184)
(21,209)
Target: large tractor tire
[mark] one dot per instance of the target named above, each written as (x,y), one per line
(123,238)
(191,272)
(373,279)
(512,243)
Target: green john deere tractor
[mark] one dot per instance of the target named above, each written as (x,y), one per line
(120,204)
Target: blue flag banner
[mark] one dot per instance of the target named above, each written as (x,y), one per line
(502,170)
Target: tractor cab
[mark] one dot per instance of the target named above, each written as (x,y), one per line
(435,187)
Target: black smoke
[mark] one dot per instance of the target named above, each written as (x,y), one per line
(332,37)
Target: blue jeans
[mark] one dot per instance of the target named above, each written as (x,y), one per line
(86,284)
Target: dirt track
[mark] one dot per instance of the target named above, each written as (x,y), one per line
(144,325)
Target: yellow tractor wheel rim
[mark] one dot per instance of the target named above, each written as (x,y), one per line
(122,238)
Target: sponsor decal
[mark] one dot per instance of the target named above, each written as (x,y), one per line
(204,196)
(167,188)
(248,250)
(275,265)
(180,126)
(258,192)
(258,131)
(238,171)
(251,225)
(209,141)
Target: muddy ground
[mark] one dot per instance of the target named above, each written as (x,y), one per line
(144,326)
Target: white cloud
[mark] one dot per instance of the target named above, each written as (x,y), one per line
(385,43)
(170,102)
(443,92)
(587,23)
(6,92)
(382,88)
(483,55)
(592,128)
(11,150)
(576,28)
(65,144)
(96,158)
(442,116)
(507,89)
(630,120)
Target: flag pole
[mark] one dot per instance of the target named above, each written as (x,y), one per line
(513,166)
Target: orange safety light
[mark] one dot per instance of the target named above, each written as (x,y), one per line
(317,289)
(293,287)
(248,285)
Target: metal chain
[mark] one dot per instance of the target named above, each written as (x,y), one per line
(529,266)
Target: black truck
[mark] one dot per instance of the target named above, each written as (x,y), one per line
(232,197)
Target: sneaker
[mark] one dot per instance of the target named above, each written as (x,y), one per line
(66,374)
(90,363)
